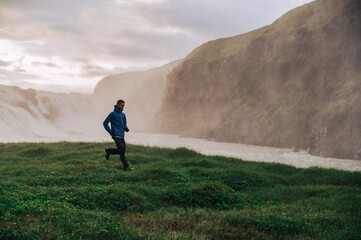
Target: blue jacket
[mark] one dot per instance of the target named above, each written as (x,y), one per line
(118,123)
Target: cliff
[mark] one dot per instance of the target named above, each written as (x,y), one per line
(142,92)
(295,83)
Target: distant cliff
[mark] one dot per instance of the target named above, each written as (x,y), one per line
(142,92)
(295,83)
(32,115)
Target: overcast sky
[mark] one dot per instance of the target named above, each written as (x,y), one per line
(63,45)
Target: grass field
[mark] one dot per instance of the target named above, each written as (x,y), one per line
(68,191)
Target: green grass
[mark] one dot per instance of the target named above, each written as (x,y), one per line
(67,191)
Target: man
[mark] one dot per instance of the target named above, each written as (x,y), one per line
(118,123)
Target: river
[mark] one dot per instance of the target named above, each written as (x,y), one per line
(299,159)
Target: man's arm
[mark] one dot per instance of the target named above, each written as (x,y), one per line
(106,123)
(125,124)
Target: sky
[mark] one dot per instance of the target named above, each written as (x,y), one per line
(68,46)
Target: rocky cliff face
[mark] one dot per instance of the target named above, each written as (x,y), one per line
(142,91)
(294,83)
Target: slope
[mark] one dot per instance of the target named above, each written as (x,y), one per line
(295,83)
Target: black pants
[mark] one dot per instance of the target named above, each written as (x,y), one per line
(119,150)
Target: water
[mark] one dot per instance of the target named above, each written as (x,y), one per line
(245,152)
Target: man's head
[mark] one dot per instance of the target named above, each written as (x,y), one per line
(120,104)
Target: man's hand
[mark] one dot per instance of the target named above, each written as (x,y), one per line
(126,129)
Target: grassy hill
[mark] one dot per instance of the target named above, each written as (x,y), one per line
(67,191)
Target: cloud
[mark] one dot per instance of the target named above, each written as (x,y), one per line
(12,77)
(4,63)
(211,18)
(117,35)
(46,64)
(7,14)
(89,69)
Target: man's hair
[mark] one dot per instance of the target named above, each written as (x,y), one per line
(120,101)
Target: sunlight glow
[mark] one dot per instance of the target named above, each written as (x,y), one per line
(10,51)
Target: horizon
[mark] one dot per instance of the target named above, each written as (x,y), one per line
(41,50)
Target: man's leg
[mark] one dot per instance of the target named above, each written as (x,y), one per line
(121,151)
(111,151)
